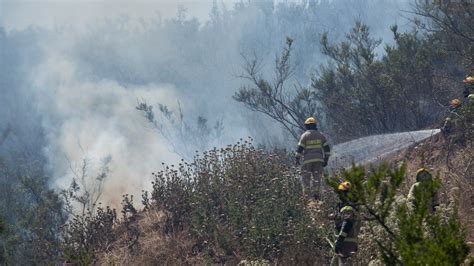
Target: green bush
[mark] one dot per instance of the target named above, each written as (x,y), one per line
(31,223)
(86,234)
(406,233)
(242,201)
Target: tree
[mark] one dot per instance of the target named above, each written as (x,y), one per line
(273,98)
(406,235)
(89,226)
(358,93)
(85,190)
(363,94)
(184,137)
(347,87)
(452,22)
(31,211)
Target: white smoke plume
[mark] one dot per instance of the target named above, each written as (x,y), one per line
(94,120)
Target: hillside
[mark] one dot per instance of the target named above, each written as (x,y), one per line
(158,243)
(455,166)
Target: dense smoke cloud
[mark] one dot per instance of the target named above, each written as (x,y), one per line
(94,120)
(85,80)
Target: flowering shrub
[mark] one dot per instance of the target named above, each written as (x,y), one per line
(240,201)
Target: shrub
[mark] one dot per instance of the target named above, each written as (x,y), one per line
(240,201)
(86,234)
(404,234)
(32,223)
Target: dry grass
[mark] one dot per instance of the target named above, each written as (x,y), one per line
(155,247)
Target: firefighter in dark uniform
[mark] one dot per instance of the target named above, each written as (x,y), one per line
(347,226)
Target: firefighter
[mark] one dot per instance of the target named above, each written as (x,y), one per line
(454,105)
(458,124)
(347,226)
(448,124)
(468,86)
(315,151)
(423,180)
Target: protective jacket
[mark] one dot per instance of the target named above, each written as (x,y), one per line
(347,229)
(313,147)
(432,204)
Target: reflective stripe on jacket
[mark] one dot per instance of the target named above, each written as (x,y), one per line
(348,214)
(313,147)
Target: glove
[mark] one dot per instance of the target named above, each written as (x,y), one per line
(297,161)
(338,245)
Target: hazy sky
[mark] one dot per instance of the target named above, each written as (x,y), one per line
(19,14)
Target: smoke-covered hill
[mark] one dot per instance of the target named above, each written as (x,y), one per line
(95,97)
(69,91)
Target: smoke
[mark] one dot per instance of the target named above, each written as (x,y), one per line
(95,120)
(50,14)
(87,73)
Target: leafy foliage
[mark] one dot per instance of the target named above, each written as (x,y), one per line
(88,233)
(451,23)
(240,200)
(413,234)
(358,92)
(362,95)
(397,91)
(34,235)
(274,98)
(99,230)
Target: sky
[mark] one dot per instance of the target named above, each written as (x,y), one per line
(19,14)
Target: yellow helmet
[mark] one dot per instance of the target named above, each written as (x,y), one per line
(344,186)
(310,120)
(455,102)
(422,174)
(469,80)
